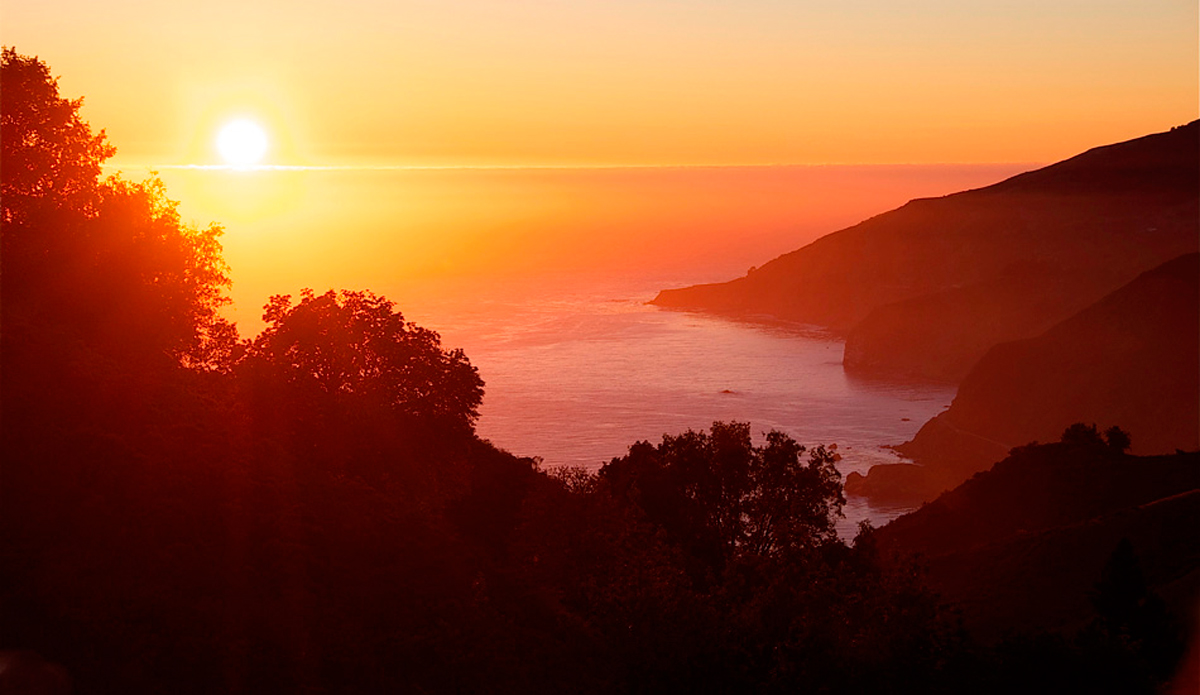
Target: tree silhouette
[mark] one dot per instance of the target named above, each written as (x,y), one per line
(1114,440)
(51,158)
(1118,439)
(721,496)
(1082,435)
(103,263)
(1132,645)
(354,344)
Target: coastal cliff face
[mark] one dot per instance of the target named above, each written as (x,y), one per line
(926,289)
(1131,360)
(939,337)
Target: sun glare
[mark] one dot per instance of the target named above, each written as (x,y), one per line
(242,143)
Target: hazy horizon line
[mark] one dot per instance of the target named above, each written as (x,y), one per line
(539,167)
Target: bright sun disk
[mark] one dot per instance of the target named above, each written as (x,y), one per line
(242,143)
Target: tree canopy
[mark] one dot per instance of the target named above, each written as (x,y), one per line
(722,496)
(356,344)
(1081,435)
(99,261)
(51,157)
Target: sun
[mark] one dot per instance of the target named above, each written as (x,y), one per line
(242,143)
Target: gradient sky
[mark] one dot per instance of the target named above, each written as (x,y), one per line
(611,82)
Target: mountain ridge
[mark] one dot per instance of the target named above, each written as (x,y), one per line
(1091,223)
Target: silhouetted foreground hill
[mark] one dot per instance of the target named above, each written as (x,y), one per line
(1022,546)
(927,288)
(1131,359)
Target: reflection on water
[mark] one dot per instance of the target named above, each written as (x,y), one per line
(575,377)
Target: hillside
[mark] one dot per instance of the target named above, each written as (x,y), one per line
(926,289)
(1022,545)
(1132,359)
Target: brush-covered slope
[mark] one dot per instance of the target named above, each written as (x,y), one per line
(1023,545)
(925,289)
(1132,359)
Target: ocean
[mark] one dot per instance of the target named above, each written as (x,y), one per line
(576,378)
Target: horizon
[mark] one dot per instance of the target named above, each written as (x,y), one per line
(400,229)
(142,166)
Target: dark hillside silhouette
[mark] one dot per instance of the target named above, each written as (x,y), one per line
(926,289)
(1020,547)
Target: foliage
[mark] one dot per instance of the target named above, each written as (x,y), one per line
(355,344)
(51,158)
(1080,435)
(720,496)
(1118,439)
(1132,618)
(105,262)
(1131,645)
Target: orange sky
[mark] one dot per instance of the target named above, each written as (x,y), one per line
(550,82)
(360,86)
(388,230)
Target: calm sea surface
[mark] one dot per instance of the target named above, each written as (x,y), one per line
(576,378)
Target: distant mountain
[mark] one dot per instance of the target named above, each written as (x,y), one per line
(926,289)
(1131,360)
(1021,547)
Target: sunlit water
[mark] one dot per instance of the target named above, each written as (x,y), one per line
(576,378)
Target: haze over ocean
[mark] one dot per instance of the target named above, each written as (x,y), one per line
(411,232)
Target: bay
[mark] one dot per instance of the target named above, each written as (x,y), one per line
(576,377)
